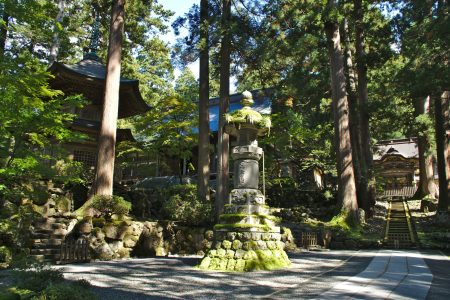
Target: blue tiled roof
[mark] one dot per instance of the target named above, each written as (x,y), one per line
(263,105)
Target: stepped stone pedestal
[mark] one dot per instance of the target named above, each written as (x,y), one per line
(246,237)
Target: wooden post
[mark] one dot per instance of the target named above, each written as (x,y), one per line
(107,138)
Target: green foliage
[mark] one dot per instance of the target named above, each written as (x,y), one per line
(38,281)
(5,256)
(184,205)
(286,193)
(110,205)
(248,116)
(37,278)
(65,290)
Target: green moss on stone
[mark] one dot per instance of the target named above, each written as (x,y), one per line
(237,244)
(241,226)
(226,244)
(204,264)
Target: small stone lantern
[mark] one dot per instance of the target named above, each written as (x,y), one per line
(246,237)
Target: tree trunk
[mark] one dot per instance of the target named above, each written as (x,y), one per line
(107,138)
(446,109)
(366,158)
(346,177)
(54,50)
(427,186)
(440,155)
(223,138)
(358,163)
(4,31)
(203,134)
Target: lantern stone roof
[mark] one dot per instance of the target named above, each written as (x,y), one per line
(88,77)
(262,104)
(406,148)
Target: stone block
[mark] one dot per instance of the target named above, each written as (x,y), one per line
(261,245)
(231,264)
(223,264)
(221,253)
(206,244)
(229,254)
(239,254)
(129,241)
(110,231)
(218,245)
(240,265)
(231,236)
(209,235)
(256,236)
(204,264)
(237,244)
(265,236)
(226,244)
(250,255)
(212,253)
(271,245)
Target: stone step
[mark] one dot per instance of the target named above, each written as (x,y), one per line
(44,251)
(45,258)
(43,230)
(46,246)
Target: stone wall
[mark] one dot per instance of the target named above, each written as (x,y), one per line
(122,239)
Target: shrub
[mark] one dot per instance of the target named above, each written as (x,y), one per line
(66,291)
(110,205)
(36,277)
(5,256)
(184,205)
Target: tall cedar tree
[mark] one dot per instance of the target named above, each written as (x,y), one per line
(346,178)
(439,112)
(427,186)
(203,117)
(107,139)
(365,151)
(223,138)
(54,50)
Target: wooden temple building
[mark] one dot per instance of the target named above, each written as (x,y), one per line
(87,77)
(396,164)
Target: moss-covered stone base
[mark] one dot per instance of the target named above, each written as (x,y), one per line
(249,254)
(244,260)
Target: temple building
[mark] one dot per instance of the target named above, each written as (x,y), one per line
(396,163)
(87,77)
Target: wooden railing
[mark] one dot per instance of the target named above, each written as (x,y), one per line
(74,251)
(404,192)
(309,240)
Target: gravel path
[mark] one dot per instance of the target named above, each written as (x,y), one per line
(311,274)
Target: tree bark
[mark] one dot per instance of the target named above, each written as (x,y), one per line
(107,139)
(4,31)
(346,177)
(203,134)
(223,138)
(358,161)
(440,152)
(446,109)
(427,186)
(366,155)
(54,50)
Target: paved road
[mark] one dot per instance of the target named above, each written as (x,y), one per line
(313,275)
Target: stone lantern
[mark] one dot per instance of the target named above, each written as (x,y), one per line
(246,237)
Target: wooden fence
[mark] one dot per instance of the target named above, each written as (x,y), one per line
(309,240)
(74,251)
(404,192)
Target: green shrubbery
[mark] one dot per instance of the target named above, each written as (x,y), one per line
(182,204)
(110,205)
(40,282)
